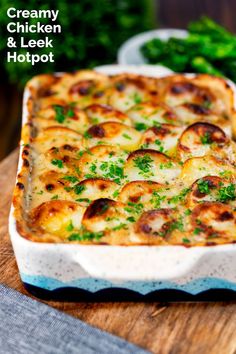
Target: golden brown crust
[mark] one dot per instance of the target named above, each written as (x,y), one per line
(127,160)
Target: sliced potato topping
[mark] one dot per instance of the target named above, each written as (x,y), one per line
(57,217)
(180,92)
(212,188)
(148,114)
(114,133)
(105,215)
(55,137)
(103,161)
(128,159)
(151,165)
(201,139)
(100,113)
(94,188)
(198,167)
(212,220)
(63,115)
(156,224)
(163,138)
(129,90)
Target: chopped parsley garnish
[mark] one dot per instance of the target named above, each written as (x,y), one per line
(86,200)
(58,163)
(177,225)
(79,188)
(140,126)
(197,231)
(144,146)
(62,113)
(180,197)
(119,227)
(157,124)
(144,163)
(225,174)
(85,235)
(60,116)
(70,227)
(159,145)
(71,179)
(87,135)
(112,171)
(134,208)
(157,199)
(55,197)
(131,219)
(115,194)
(166,165)
(93,168)
(206,139)
(188,212)
(70,113)
(185,240)
(126,136)
(226,193)
(137,98)
(203,186)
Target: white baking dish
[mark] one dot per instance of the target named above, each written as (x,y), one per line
(143,269)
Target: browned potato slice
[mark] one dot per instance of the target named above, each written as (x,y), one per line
(57,217)
(149,114)
(211,188)
(199,167)
(94,188)
(100,113)
(114,133)
(154,226)
(63,160)
(138,191)
(183,91)
(88,88)
(224,95)
(105,215)
(65,115)
(54,181)
(49,185)
(151,165)
(103,161)
(189,113)
(84,87)
(128,90)
(163,138)
(200,139)
(57,136)
(212,221)
(47,101)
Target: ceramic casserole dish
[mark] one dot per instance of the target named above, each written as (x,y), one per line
(174,245)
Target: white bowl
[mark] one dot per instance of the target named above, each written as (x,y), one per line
(129,52)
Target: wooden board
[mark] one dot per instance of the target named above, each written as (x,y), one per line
(162,328)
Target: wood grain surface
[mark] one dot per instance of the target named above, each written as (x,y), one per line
(161,328)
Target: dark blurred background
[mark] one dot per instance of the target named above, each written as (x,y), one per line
(92,31)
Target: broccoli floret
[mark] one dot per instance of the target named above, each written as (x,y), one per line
(201,65)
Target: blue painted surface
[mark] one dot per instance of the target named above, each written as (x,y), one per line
(143,287)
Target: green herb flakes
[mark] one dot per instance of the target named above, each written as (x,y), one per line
(58,163)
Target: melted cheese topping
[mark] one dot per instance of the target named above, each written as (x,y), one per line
(130,160)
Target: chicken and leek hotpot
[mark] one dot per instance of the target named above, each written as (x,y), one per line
(128,160)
